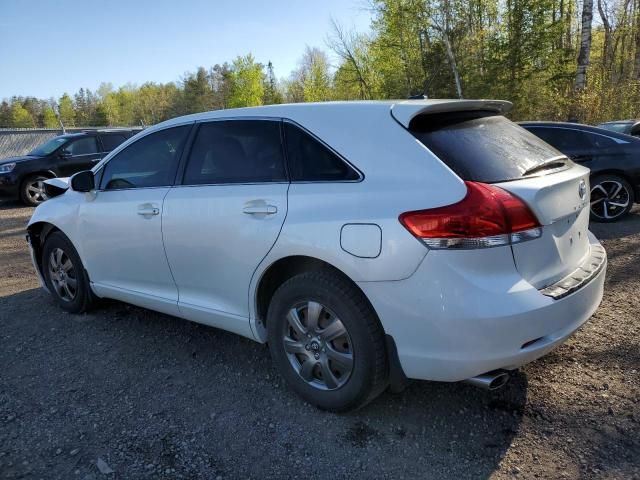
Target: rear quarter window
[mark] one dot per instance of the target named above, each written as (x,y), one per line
(482,147)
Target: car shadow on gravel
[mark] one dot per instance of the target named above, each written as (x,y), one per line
(160,397)
(10,204)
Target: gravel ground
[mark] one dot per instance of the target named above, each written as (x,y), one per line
(127,393)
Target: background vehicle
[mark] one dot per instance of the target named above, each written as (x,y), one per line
(630,127)
(366,242)
(613,158)
(61,156)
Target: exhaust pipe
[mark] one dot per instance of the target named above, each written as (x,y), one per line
(490,380)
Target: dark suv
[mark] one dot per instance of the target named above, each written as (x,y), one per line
(62,156)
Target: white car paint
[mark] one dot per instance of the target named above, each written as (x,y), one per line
(452,314)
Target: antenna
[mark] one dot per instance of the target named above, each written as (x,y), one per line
(56,110)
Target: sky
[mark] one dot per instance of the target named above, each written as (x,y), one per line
(56,46)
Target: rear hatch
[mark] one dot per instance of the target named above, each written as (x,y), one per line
(482,146)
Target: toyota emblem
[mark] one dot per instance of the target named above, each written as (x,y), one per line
(582,190)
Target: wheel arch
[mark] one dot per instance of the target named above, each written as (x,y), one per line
(37,233)
(44,172)
(281,270)
(622,174)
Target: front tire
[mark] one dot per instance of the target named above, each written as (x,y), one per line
(611,198)
(65,275)
(32,190)
(327,342)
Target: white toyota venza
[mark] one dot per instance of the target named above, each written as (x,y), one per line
(366,242)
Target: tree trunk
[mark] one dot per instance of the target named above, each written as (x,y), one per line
(607,49)
(585,46)
(452,61)
(636,63)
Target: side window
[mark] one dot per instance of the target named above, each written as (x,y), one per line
(564,139)
(148,162)
(236,151)
(82,146)
(311,161)
(111,141)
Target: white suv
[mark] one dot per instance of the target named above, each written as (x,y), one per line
(367,242)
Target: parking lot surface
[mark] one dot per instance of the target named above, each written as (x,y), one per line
(123,392)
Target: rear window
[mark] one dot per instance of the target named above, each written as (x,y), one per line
(110,142)
(617,127)
(485,147)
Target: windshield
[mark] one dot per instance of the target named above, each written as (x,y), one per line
(48,147)
(616,127)
(484,148)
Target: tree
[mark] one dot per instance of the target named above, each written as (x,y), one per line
(66,111)
(272,93)
(315,76)
(247,82)
(49,119)
(5,114)
(20,117)
(355,75)
(197,94)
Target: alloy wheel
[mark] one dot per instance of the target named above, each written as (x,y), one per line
(63,275)
(609,199)
(36,190)
(318,346)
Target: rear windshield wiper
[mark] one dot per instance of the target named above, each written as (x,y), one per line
(551,164)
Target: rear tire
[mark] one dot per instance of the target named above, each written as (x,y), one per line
(611,198)
(65,275)
(32,190)
(335,358)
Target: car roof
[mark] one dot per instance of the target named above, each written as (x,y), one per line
(402,110)
(579,126)
(571,125)
(95,131)
(618,122)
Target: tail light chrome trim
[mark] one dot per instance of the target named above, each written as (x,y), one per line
(486,217)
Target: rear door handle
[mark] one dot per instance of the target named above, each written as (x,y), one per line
(260,210)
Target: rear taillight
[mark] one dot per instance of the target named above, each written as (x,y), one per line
(487,216)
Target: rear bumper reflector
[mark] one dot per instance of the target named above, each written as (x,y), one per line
(580,276)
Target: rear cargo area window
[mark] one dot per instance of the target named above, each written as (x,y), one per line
(484,147)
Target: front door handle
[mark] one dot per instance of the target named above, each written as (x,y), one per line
(260,210)
(148,210)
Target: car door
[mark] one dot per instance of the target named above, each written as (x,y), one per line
(79,154)
(121,225)
(224,217)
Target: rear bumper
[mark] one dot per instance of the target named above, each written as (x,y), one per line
(463,314)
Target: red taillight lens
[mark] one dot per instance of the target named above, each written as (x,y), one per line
(487,216)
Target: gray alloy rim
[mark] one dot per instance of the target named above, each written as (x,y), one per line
(36,191)
(609,199)
(318,346)
(63,275)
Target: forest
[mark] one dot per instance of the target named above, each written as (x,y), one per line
(554,59)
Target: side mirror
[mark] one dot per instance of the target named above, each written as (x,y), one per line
(65,153)
(83,181)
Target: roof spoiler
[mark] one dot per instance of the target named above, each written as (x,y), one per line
(405,111)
